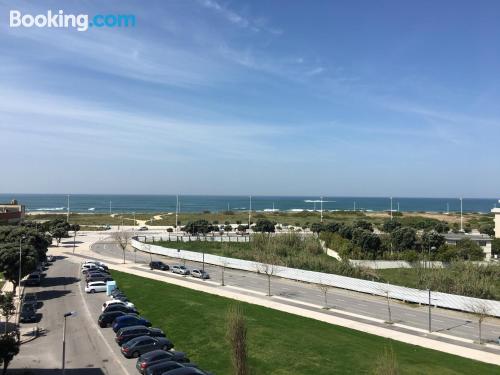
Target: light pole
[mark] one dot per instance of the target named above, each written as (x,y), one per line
(71,313)
(321,209)
(461,216)
(430,330)
(249,214)
(67,215)
(20,267)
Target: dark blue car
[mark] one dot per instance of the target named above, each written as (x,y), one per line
(129,320)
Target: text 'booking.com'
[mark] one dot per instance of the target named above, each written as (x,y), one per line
(79,22)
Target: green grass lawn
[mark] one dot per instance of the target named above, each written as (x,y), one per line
(278,343)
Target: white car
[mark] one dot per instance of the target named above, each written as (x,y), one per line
(116,302)
(96,262)
(95,286)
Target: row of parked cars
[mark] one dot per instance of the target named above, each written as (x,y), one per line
(179,269)
(136,336)
(29,302)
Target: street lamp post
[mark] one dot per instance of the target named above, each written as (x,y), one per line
(430,330)
(71,313)
(20,267)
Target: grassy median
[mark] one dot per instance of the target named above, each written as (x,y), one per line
(279,343)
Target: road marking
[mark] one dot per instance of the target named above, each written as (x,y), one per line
(406,313)
(471,327)
(437,320)
(100,333)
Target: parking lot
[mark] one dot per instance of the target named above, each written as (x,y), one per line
(89,349)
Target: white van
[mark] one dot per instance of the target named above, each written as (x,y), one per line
(95,286)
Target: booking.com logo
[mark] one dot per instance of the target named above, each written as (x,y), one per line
(79,22)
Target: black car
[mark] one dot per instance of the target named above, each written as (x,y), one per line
(128,333)
(143,344)
(164,366)
(28,313)
(30,299)
(186,371)
(116,292)
(106,319)
(99,278)
(120,307)
(157,356)
(88,275)
(157,265)
(34,279)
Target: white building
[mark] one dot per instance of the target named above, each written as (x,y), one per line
(496,211)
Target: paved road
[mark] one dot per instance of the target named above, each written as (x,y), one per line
(445,321)
(90,350)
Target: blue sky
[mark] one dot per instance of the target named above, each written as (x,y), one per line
(367,98)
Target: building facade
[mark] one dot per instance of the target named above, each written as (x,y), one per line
(11,213)
(483,240)
(496,211)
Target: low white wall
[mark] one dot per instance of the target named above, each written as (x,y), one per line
(393,291)
(385,264)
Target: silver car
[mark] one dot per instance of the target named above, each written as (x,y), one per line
(200,274)
(181,270)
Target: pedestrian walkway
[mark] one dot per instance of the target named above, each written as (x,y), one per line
(445,343)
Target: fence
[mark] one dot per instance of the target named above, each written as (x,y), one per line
(446,300)
(188,238)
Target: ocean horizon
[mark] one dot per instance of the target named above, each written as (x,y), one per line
(145,203)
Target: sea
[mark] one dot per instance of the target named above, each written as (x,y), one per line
(97,203)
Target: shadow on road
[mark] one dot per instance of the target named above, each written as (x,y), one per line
(69,371)
(58,281)
(71,242)
(52,294)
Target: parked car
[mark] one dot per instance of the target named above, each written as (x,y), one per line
(117,292)
(116,302)
(122,308)
(200,274)
(142,228)
(127,321)
(156,356)
(181,270)
(106,319)
(33,279)
(30,299)
(99,278)
(121,297)
(164,366)
(127,333)
(187,371)
(143,344)
(95,286)
(96,274)
(96,262)
(28,313)
(157,265)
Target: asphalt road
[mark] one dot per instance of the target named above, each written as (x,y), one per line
(90,350)
(445,321)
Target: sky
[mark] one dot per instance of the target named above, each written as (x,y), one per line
(355,98)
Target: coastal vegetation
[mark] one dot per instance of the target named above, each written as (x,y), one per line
(305,252)
(284,219)
(197,323)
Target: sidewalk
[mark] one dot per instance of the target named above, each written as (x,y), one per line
(441,342)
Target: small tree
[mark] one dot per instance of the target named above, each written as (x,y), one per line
(223,265)
(237,337)
(75,228)
(122,238)
(387,363)
(324,288)
(9,348)
(264,225)
(481,311)
(7,307)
